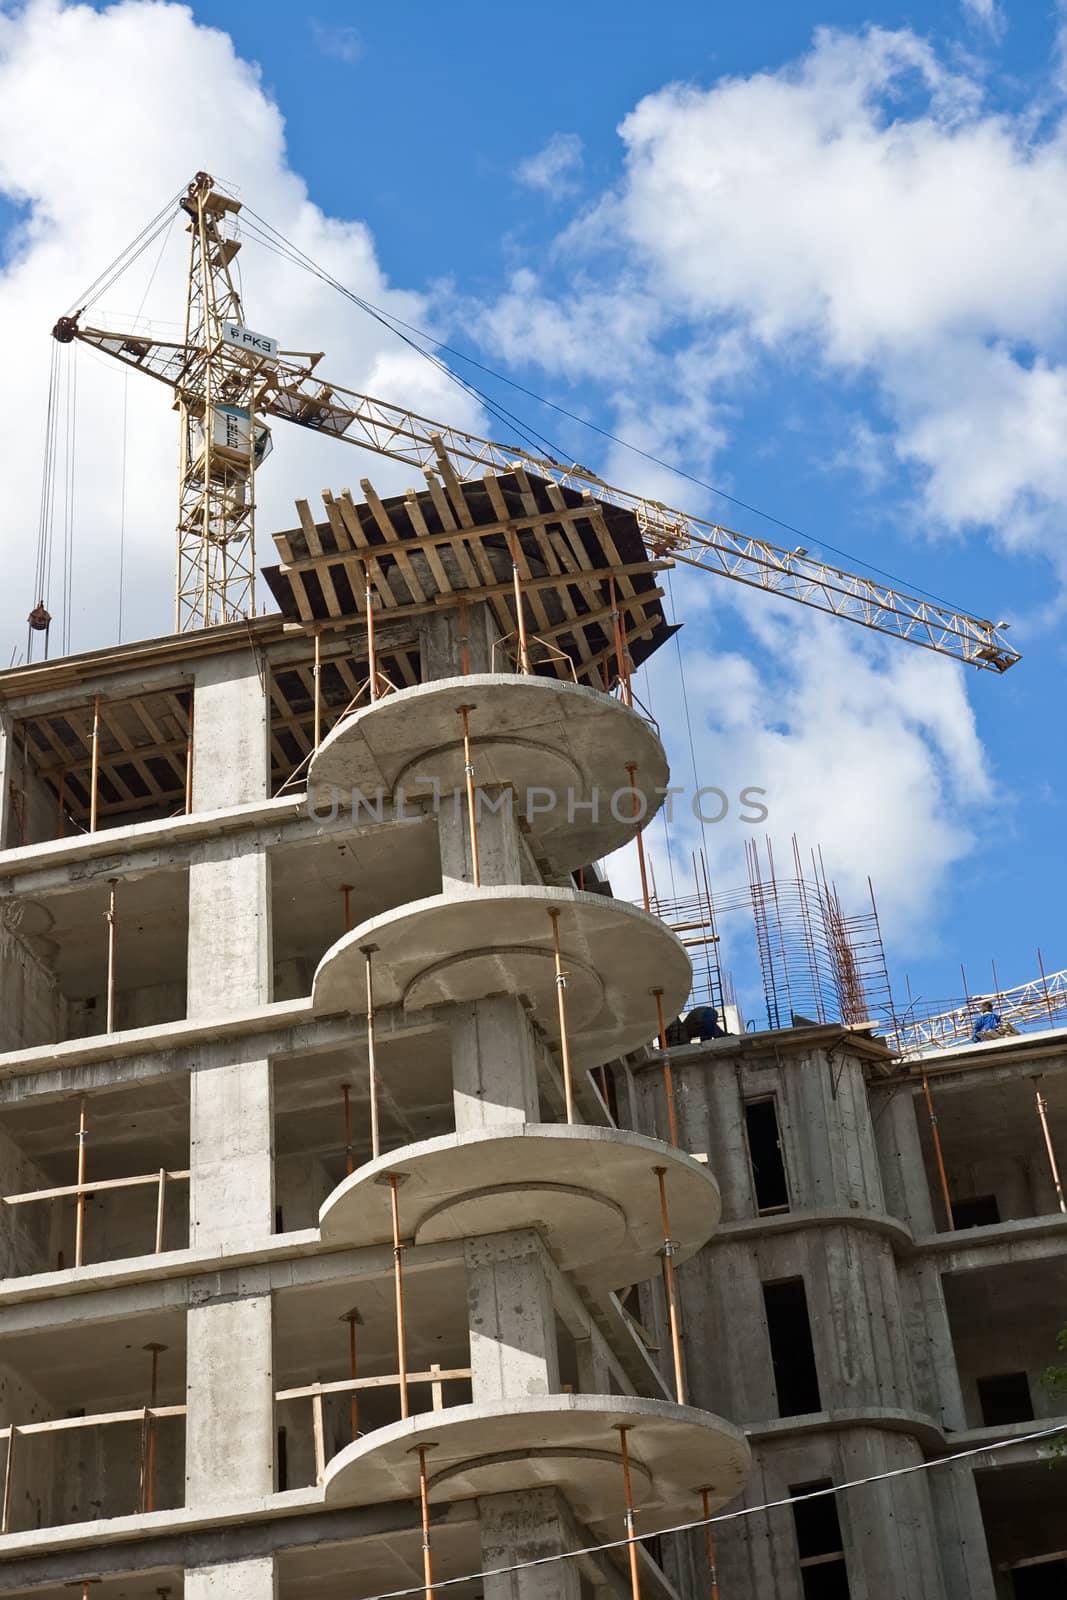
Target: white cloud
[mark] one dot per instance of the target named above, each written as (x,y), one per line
(986,13)
(91,169)
(867,750)
(338,40)
(554,167)
(864,211)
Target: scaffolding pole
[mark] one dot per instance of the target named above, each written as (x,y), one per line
(709,1544)
(1042,1111)
(372,1055)
(623,1429)
(472,809)
(394,1180)
(79,1208)
(110,916)
(668,1076)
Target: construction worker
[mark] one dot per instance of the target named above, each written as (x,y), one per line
(988,1024)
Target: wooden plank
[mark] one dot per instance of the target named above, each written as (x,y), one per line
(393,539)
(314,544)
(452,484)
(350,517)
(444,511)
(96,1187)
(103,1419)
(303,604)
(387,1380)
(427,543)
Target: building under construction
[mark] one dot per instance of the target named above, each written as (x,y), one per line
(366,1232)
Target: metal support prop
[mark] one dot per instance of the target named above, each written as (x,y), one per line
(561,1002)
(472,809)
(79,1209)
(394,1179)
(148,1464)
(372,651)
(938,1155)
(353,1319)
(620,651)
(189,760)
(520,617)
(316,673)
(709,1541)
(346,1091)
(1042,1111)
(669,1285)
(110,916)
(631,1531)
(424,1505)
(631,770)
(372,1056)
(668,1076)
(94,781)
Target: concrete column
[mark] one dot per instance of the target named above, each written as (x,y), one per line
(514,1351)
(441,643)
(528,1527)
(233,1580)
(229,1375)
(231,743)
(494,1072)
(907,1188)
(500,847)
(229,1440)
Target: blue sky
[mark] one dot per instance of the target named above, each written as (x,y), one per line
(748,259)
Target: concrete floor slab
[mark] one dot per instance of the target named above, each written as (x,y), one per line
(565,1441)
(561,744)
(593,1193)
(499,941)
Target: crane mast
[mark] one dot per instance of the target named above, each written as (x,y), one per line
(226,378)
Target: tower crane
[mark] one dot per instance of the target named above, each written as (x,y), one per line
(228,379)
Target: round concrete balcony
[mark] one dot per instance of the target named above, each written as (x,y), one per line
(563,1441)
(457,948)
(592,1192)
(560,746)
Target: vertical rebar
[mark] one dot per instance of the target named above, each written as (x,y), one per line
(668,1076)
(393,1179)
(631,1529)
(669,1285)
(709,1543)
(472,810)
(561,1004)
(79,1211)
(94,781)
(372,1056)
(1042,1111)
(110,916)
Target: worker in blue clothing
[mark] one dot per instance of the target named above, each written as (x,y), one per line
(988,1024)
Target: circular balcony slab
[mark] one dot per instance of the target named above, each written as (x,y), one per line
(563,1441)
(558,745)
(456,948)
(592,1192)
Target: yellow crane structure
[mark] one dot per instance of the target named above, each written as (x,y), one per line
(227,380)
